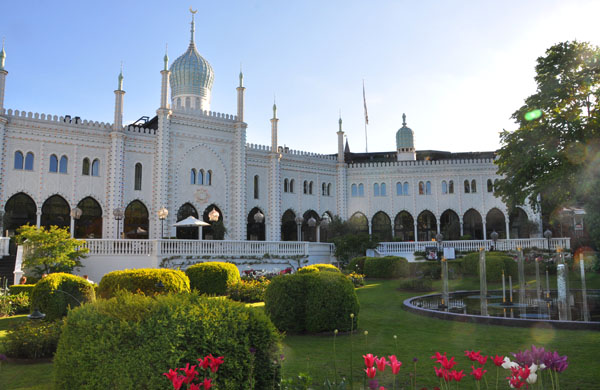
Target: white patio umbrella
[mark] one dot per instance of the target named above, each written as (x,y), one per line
(192,221)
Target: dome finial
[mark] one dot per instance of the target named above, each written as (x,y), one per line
(274,108)
(340,120)
(193,30)
(241,76)
(120,88)
(2,56)
(403,119)
(166,57)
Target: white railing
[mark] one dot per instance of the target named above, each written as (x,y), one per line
(4,246)
(321,249)
(120,247)
(474,245)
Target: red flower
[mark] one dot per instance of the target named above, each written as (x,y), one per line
(371,372)
(177,382)
(204,362)
(457,375)
(207,385)
(215,362)
(396,366)
(447,364)
(381,363)
(171,374)
(478,373)
(438,356)
(439,372)
(369,360)
(482,359)
(190,373)
(524,373)
(194,386)
(498,360)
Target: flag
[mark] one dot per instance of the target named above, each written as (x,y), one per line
(365,104)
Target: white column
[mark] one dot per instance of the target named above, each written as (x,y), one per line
(240,99)
(484,230)
(416,232)
(3,74)
(115,180)
(506,220)
(161,175)
(274,194)
(3,157)
(164,88)
(38,220)
(237,213)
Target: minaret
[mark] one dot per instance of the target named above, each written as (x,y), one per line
(3,122)
(274,205)
(274,121)
(119,93)
(240,98)
(3,74)
(341,180)
(164,86)
(340,134)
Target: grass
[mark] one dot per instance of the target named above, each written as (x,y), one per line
(382,316)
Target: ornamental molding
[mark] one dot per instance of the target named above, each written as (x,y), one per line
(127,201)
(90,195)
(18,191)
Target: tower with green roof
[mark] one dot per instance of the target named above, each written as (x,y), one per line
(405,144)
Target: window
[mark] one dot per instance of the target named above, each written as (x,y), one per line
(329,189)
(256,186)
(398,188)
(209,178)
(138,177)
(188,102)
(473,186)
(198,105)
(467,187)
(428,188)
(29,162)
(383,190)
(376,189)
(292,185)
(53,163)
(354,190)
(310,188)
(405,188)
(421,188)
(361,190)
(490,186)
(444,187)
(18,160)
(305,187)
(200,178)
(495,185)
(64,163)
(451,187)
(85,167)
(324,189)
(286,185)
(178,102)
(96,168)
(193,176)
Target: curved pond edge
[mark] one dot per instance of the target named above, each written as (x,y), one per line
(479,319)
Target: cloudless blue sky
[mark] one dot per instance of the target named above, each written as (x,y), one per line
(458,69)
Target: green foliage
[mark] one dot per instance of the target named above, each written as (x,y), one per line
(219,230)
(352,245)
(433,269)
(56,293)
(495,262)
(14,304)
(388,267)
(357,264)
(421,285)
(248,290)
(318,268)
(358,280)
(50,250)
(145,281)
(313,302)
(21,288)
(32,339)
(213,277)
(127,342)
(557,155)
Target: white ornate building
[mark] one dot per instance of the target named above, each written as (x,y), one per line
(191,160)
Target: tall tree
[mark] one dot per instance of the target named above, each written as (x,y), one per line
(555,152)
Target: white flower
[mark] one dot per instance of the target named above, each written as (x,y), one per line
(507,365)
(542,366)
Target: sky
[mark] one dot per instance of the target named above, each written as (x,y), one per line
(458,69)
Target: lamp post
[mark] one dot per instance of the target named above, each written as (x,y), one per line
(299,221)
(259,218)
(325,220)
(439,238)
(494,237)
(548,235)
(38,315)
(75,215)
(312,223)
(163,213)
(214,215)
(118,214)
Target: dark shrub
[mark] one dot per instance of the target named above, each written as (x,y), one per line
(21,288)
(213,277)
(357,265)
(421,285)
(32,339)
(147,281)
(14,304)
(248,290)
(314,302)
(319,267)
(127,342)
(388,267)
(56,293)
(495,262)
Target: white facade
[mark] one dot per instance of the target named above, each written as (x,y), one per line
(183,140)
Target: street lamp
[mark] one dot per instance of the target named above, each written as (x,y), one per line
(118,214)
(259,217)
(163,213)
(439,238)
(75,214)
(299,221)
(548,235)
(38,315)
(494,237)
(213,216)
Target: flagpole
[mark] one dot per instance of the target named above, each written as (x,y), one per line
(366,118)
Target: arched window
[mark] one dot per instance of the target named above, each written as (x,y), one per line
(209,178)
(428,188)
(53,163)
(200,178)
(490,185)
(310,188)
(376,189)
(361,190)
(383,189)
(305,187)
(467,187)
(256,182)
(444,187)
(96,168)
(421,188)
(64,163)
(473,186)
(286,185)
(138,177)
(18,160)
(495,185)
(354,190)
(329,189)
(324,189)
(85,167)
(451,187)
(405,188)
(193,176)
(292,185)
(29,162)
(398,188)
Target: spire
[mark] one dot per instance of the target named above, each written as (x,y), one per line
(120,87)
(193,30)
(340,121)
(2,56)
(166,57)
(403,120)
(347,147)
(274,108)
(241,76)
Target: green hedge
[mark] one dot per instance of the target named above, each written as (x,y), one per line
(312,302)
(213,277)
(144,281)
(57,292)
(357,265)
(32,339)
(319,267)
(127,342)
(21,288)
(495,262)
(388,267)
(248,291)
(433,269)
(421,285)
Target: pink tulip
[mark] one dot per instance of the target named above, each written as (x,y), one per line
(381,363)
(369,360)
(371,372)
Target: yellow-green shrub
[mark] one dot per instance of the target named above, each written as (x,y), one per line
(213,277)
(147,281)
(319,267)
(55,293)
(21,288)
(388,267)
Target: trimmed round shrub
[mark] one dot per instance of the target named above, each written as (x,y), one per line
(21,288)
(213,277)
(319,267)
(495,262)
(248,291)
(147,281)
(127,342)
(357,265)
(388,267)
(57,292)
(312,302)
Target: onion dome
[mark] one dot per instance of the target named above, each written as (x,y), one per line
(405,137)
(191,77)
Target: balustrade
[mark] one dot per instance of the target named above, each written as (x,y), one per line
(474,245)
